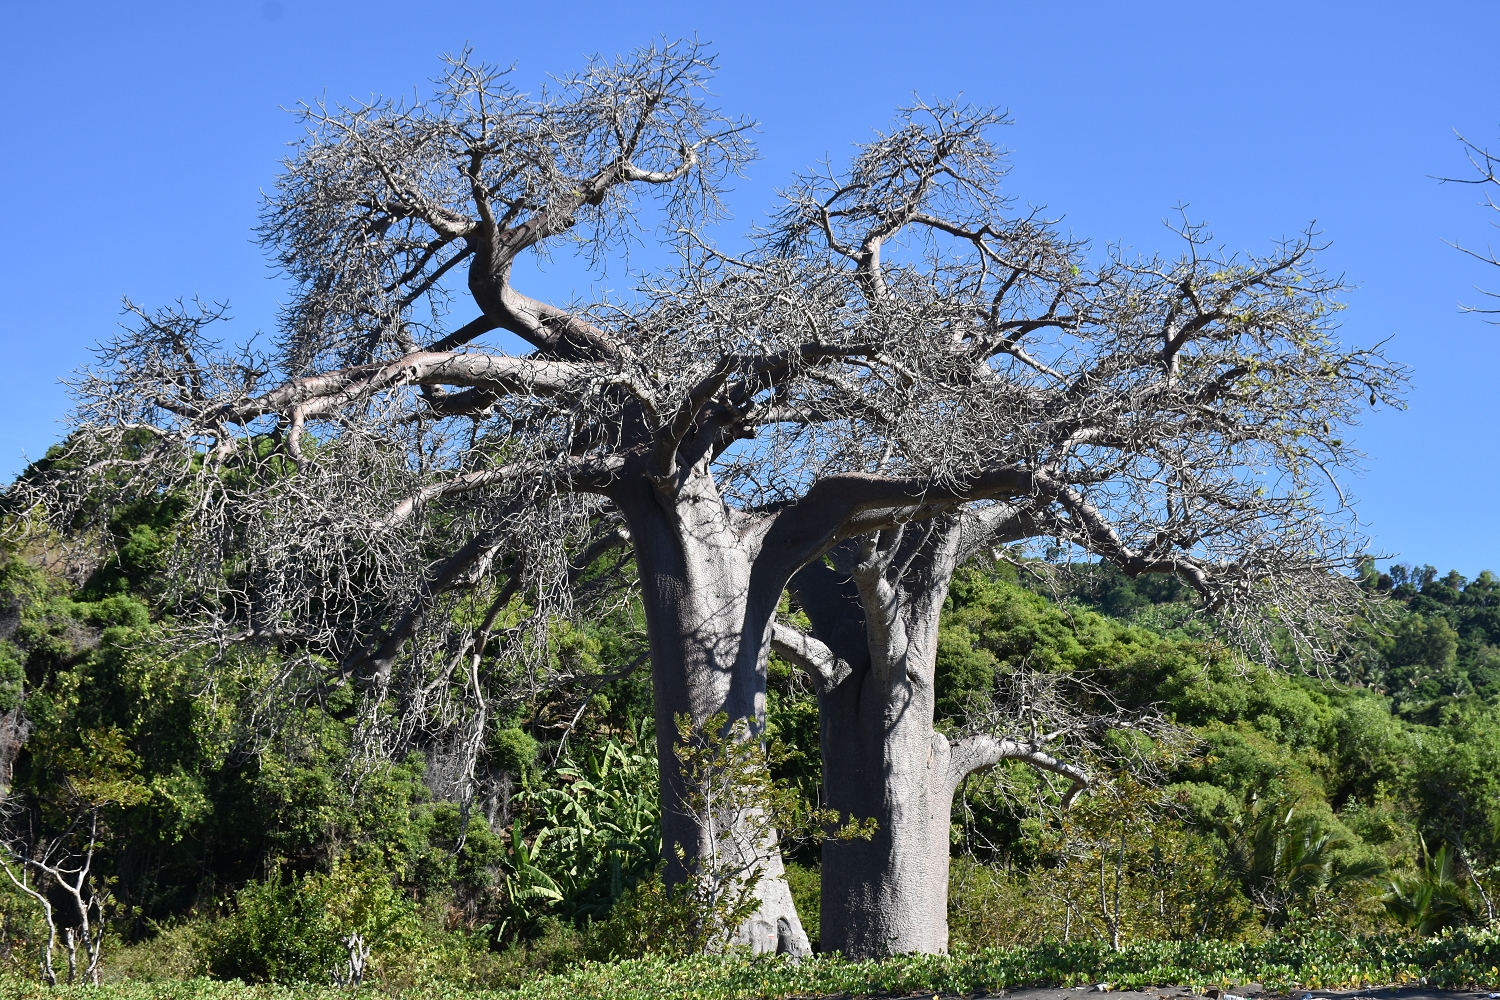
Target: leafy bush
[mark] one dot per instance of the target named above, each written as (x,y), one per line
(513,750)
(175,952)
(293,930)
(1288,861)
(806,884)
(650,919)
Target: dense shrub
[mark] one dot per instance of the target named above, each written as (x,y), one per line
(531,875)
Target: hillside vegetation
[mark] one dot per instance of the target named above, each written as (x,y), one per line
(245,836)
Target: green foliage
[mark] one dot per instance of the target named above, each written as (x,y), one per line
(527,887)
(1358,773)
(655,919)
(12,676)
(601,819)
(1313,962)
(1444,648)
(1289,861)
(806,883)
(513,750)
(1117,867)
(175,951)
(561,860)
(141,533)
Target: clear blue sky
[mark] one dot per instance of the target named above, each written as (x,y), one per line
(136,139)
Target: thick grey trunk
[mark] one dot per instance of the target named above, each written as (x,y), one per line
(889,894)
(882,759)
(709,631)
(877,617)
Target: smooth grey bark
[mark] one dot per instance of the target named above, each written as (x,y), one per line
(875,613)
(708,629)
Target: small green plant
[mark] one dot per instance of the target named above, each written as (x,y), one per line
(527,888)
(603,823)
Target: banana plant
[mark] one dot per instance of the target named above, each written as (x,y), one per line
(528,889)
(601,821)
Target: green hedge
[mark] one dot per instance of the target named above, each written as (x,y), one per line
(1466,958)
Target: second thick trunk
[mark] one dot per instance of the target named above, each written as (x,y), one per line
(882,759)
(877,613)
(889,894)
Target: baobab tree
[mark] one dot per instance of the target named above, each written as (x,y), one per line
(1204,411)
(895,347)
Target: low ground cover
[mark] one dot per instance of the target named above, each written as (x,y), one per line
(1465,958)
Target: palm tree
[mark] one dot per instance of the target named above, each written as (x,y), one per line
(1284,859)
(1430,898)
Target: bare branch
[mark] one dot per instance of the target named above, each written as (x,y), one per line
(823,668)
